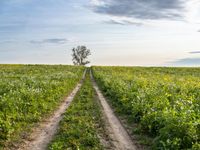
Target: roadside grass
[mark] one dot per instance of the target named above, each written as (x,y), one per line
(82,122)
(30,93)
(140,139)
(161,105)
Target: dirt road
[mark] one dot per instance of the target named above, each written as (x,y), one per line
(44,133)
(121,139)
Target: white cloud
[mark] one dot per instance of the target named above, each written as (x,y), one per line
(97,2)
(50,41)
(192,13)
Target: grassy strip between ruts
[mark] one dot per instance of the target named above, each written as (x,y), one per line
(82,122)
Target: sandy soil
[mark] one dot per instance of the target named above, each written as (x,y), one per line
(43,134)
(120,138)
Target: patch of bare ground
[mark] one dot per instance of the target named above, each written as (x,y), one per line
(104,133)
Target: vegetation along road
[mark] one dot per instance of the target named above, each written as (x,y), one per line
(163,104)
(28,95)
(122,108)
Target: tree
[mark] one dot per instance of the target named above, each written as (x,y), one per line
(80,55)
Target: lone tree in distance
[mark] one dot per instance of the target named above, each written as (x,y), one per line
(80,55)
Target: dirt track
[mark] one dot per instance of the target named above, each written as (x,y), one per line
(120,138)
(43,134)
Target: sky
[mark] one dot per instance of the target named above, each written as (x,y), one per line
(118,32)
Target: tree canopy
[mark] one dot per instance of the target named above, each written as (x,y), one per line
(80,55)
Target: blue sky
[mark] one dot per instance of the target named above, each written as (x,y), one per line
(128,32)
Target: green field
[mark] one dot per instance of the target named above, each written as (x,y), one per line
(28,93)
(164,102)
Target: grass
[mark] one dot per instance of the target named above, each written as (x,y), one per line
(163,102)
(29,93)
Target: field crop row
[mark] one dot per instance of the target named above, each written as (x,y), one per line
(28,93)
(164,102)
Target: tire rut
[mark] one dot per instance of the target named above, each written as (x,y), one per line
(44,133)
(119,136)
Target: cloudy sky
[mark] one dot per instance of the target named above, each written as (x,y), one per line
(118,32)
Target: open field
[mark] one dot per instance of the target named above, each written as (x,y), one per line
(29,93)
(164,102)
(99,74)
